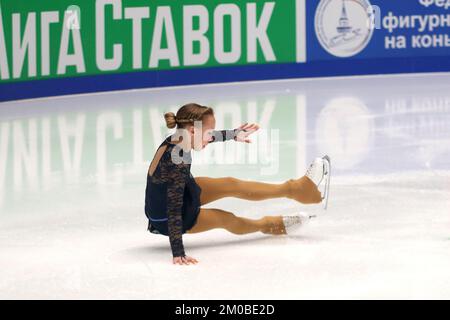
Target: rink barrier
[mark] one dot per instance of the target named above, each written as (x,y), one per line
(141,80)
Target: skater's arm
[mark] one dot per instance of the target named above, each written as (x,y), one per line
(224,135)
(175,191)
(239,134)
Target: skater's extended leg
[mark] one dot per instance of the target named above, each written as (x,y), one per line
(217,188)
(302,189)
(209,219)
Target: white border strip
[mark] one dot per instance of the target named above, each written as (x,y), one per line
(300,23)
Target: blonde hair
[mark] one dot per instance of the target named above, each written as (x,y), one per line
(186,115)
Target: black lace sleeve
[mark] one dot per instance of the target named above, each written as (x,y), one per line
(224,135)
(175,191)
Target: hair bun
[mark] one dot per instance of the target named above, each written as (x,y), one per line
(171,120)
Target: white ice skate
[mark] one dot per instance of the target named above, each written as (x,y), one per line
(319,172)
(294,221)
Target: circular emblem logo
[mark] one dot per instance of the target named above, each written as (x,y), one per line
(344,27)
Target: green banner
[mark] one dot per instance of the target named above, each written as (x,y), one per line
(48,39)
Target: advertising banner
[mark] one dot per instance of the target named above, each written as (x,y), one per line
(74,46)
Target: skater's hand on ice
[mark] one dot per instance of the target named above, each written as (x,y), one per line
(184,260)
(244,131)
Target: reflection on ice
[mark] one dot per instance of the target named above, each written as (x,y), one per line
(365,126)
(344,129)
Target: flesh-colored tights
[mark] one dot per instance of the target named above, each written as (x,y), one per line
(302,190)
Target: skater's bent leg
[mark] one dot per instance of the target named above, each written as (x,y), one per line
(209,219)
(302,190)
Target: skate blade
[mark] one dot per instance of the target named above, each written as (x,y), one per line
(327,176)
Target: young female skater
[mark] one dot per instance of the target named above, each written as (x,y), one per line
(174,197)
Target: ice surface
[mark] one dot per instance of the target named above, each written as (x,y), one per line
(72,181)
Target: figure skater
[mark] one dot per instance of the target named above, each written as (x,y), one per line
(174,197)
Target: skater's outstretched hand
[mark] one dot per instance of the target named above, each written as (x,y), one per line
(246,130)
(184,260)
